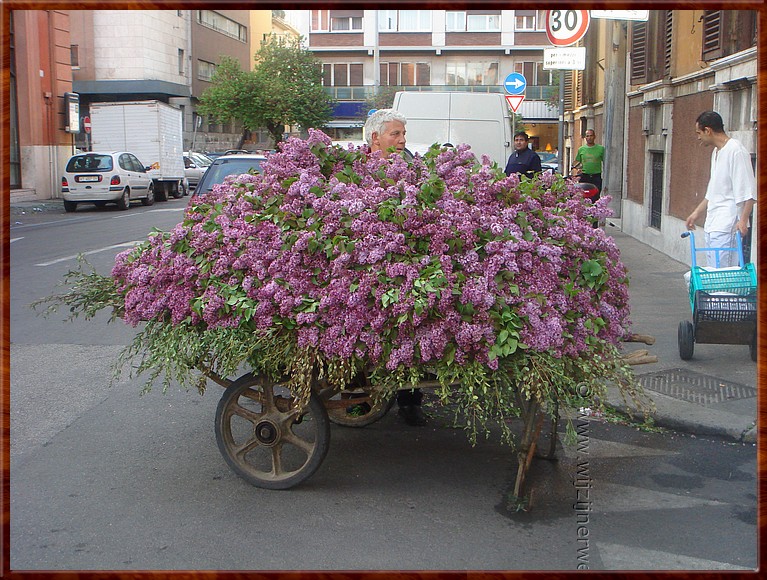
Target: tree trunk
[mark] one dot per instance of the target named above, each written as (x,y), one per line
(275,130)
(244,137)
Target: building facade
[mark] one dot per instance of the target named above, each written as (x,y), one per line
(369,52)
(40,79)
(167,55)
(658,76)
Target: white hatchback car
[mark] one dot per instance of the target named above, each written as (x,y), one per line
(195,165)
(101,178)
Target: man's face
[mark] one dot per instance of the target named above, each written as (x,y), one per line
(590,138)
(520,143)
(393,135)
(704,134)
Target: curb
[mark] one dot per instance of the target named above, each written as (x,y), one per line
(690,418)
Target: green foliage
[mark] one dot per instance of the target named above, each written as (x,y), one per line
(284,88)
(383,98)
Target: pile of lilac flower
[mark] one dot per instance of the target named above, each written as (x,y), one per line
(440,261)
(334,262)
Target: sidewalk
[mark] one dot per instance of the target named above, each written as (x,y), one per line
(712,394)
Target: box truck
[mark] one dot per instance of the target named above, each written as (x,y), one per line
(152,131)
(482,120)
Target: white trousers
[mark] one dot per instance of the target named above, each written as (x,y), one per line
(721,240)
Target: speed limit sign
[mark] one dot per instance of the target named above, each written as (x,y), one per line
(566,27)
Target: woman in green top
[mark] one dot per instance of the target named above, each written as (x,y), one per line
(589,159)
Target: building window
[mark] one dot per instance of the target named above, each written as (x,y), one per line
(342,75)
(404,20)
(471,73)
(222,24)
(74,56)
(181,63)
(525,20)
(351,23)
(472,22)
(455,21)
(320,20)
(528,70)
(405,74)
(483,23)
(205,70)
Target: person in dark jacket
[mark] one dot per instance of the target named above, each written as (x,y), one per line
(524,160)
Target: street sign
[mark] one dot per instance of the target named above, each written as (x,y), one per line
(621,14)
(87,124)
(567,58)
(515,84)
(514,101)
(566,27)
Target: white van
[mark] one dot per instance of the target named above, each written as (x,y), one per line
(482,120)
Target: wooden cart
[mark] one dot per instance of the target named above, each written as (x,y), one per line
(268,442)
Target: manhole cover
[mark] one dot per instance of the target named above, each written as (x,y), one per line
(695,387)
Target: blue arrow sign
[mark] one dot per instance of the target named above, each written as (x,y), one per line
(515,83)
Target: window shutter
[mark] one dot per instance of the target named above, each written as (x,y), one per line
(668,48)
(568,96)
(712,34)
(638,52)
(356,77)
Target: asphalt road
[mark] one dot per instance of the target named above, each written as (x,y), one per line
(105,479)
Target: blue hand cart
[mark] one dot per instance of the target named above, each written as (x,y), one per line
(723,303)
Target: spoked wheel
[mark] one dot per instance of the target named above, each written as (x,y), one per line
(686,339)
(356,408)
(264,439)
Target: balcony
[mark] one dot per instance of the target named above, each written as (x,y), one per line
(532,92)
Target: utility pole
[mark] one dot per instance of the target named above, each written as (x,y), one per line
(615,103)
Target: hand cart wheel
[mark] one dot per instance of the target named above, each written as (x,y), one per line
(686,338)
(356,408)
(264,439)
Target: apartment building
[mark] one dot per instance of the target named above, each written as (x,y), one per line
(40,79)
(656,77)
(369,51)
(167,55)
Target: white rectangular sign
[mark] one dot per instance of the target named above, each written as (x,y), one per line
(621,14)
(568,58)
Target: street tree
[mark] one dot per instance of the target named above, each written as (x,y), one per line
(284,88)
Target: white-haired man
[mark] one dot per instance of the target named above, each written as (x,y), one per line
(385,131)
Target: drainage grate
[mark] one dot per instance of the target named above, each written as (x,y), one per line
(695,387)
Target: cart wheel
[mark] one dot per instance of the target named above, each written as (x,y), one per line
(356,408)
(686,339)
(264,439)
(752,347)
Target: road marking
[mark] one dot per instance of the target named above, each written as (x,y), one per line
(134,214)
(16,239)
(74,256)
(620,557)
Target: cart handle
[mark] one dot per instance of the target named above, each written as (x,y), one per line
(738,248)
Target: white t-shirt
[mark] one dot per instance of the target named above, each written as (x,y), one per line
(732,182)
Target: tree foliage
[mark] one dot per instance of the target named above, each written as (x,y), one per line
(284,88)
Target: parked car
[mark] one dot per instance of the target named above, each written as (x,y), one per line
(195,165)
(549,161)
(100,178)
(233,164)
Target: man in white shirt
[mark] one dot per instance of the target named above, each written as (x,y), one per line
(731,191)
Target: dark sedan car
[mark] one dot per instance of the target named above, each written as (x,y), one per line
(226,165)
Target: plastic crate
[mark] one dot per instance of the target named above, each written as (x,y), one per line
(719,308)
(741,281)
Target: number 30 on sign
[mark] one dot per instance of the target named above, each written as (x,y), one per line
(566,27)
